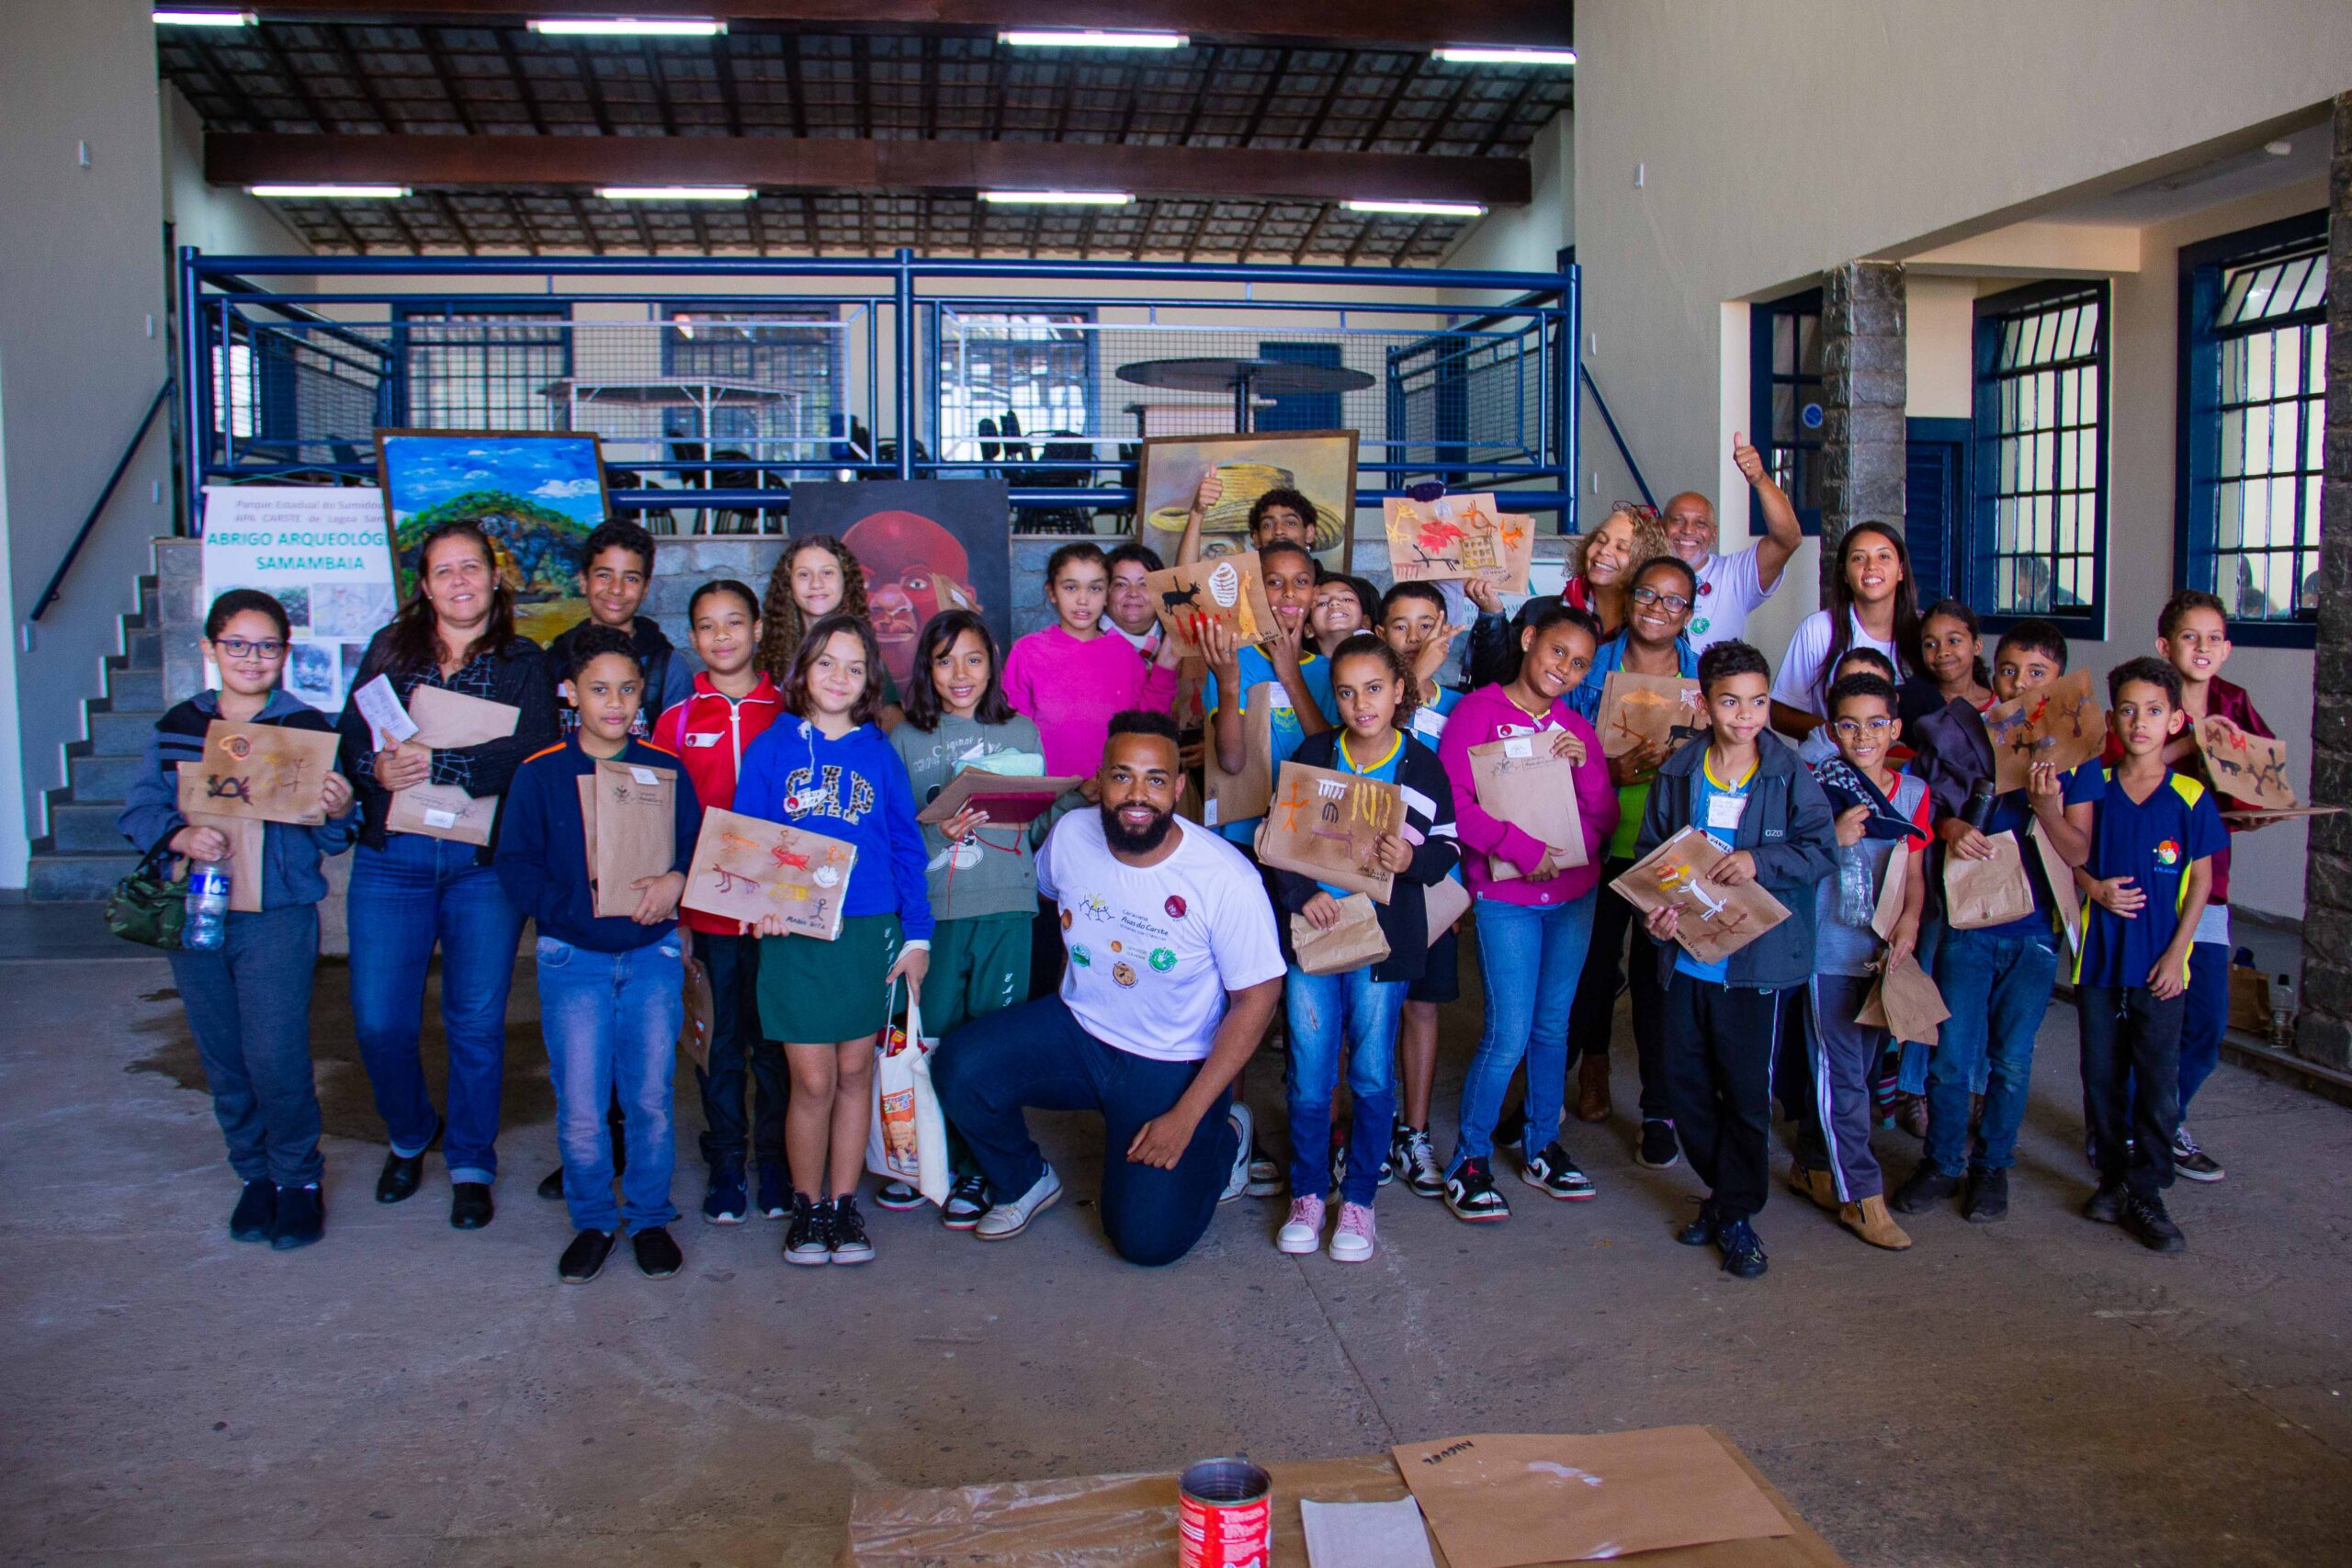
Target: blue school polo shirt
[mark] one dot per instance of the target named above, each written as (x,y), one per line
(2154,841)
(1717,808)
(1284,730)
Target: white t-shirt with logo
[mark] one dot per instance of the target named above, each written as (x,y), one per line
(1153,950)
(1799,683)
(1729,588)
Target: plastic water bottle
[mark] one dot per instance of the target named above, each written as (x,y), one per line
(2282,1010)
(1854,900)
(208,906)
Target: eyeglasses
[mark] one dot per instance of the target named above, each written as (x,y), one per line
(1638,508)
(238,648)
(1855,729)
(1675,602)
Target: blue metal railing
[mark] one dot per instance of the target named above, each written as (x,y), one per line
(49,595)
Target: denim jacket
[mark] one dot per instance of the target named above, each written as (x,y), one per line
(291,853)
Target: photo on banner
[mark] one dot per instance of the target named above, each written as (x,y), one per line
(321,551)
(1319,464)
(924,545)
(537,494)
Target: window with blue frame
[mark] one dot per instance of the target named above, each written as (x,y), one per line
(1036,365)
(2254,357)
(1784,390)
(2037,536)
(500,366)
(763,383)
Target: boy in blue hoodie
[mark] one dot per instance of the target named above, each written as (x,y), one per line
(612,994)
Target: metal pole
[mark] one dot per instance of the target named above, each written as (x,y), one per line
(195,387)
(1564,393)
(905,357)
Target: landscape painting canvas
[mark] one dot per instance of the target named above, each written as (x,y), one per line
(537,494)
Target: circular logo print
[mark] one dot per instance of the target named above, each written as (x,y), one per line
(2168,854)
(1079,956)
(1162,960)
(1175,907)
(1117,946)
(1123,973)
(239,746)
(1065,919)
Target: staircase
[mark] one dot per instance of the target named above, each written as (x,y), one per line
(85,854)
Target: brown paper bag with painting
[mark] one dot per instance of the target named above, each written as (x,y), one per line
(2250,769)
(1637,708)
(443,811)
(1518,781)
(1326,825)
(745,867)
(2060,724)
(1354,942)
(1716,921)
(451,721)
(246,836)
(265,771)
(1236,797)
(1458,538)
(1222,588)
(1979,893)
(634,833)
(1905,1003)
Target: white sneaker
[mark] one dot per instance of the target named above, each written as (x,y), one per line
(1355,1239)
(1004,1221)
(1303,1232)
(1246,1127)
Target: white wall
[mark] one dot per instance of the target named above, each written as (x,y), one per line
(220,220)
(81,279)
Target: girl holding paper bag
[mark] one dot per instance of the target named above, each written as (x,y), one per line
(410,891)
(249,1000)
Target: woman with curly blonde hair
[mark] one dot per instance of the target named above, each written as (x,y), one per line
(1614,552)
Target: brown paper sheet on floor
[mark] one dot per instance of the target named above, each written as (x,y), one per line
(1634,709)
(1222,588)
(1239,797)
(1129,1521)
(1716,920)
(2247,767)
(451,721)
(265,771)
(1325,824)
(443,811)
(1979,893)
(1354,942)
(745,867)
(2060,723)
(1905,1003)
(1518,781)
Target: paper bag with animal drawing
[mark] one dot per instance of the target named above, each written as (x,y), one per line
(265,771)
(2250,769)
(1716,920)
(745,867)
(2060,724)
(1229,589)
(1518,781)
(1458,538)
(1326,825)
(246,837)
(1634,709)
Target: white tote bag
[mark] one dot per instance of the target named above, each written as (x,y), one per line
(906,1139)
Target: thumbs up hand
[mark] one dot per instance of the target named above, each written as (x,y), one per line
(1749,461)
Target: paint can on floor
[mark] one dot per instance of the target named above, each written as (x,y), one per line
(1225,1515)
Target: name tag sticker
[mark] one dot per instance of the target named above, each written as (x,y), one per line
(1278,699)
(1518,746)
(644,775)
(701,739)
(437,817)
(1725,811)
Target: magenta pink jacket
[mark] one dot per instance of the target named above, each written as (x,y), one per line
(1071,689)
(1486,714)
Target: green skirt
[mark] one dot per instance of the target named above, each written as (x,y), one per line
(818,993)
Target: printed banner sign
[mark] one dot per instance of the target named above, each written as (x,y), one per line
(319,550)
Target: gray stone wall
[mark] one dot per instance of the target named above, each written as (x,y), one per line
(1862,455)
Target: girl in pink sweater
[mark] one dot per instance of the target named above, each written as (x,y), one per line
(1070,678)
(1532,929)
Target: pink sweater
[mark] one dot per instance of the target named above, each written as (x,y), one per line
(1486,714)
(1071,689)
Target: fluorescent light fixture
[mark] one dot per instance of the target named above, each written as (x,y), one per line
(330,192)
(1480,54)
(176,18)
(1090,38)
(1057,197)
(1422,209)
(677,192)
(627,26)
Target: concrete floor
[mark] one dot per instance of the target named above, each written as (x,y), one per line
(2037,1392)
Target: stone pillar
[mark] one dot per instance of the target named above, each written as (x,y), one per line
(2324,1032)
(1863,453)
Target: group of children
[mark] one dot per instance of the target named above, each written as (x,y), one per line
(792,718)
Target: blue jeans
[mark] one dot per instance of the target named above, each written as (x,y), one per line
(408,895)
(994,1068)
(612,1022)
(249,1007)
(1532,956)
(1328,1013)
(1996,984)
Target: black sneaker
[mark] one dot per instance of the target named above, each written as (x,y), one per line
(810,1239)
(301,1218)
(775,1192)
(1987,1199)
(2191,1163)
(898,1196)
(1512,1128)
(967,1201)
(1659,1147)
(256,1211)
(584,1259)
(847,1241)
(1554,1175)
(723,1200)
(1470,1193)
(2149,1225)
(550,1186)
(658,1256)
(1702,1230)
(1410,1151)
(1927,1188)
(2106,1205)
(1743,1253)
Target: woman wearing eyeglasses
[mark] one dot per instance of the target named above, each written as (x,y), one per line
(248,999)
(1659,596)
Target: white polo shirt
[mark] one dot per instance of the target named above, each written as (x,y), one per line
(1728,589)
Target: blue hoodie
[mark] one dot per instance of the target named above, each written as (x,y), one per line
(542,857)
(855,789)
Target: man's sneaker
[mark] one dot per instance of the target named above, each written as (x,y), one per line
(658,1256)
(1987,1199)
(1356,1237)
(1004,1221)
(584,1259)
(301,1218)
(2146,1219)
(1928,1187)
(775,1191)
(2106,1205)
(810,1239)
(723,1201)
(1470,1193)
(2191,1163)
(1410,1151)
(1303,1232)
(1253,1172)
(898,1196)
(1554,1175)
(1701,1231)
(1659,1147)
(1743,1254)
(256,1212)
(849,1244)
(967,1201)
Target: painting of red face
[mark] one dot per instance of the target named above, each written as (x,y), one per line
(921,546)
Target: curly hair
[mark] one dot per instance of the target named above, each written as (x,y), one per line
(783,626)
(1649,539)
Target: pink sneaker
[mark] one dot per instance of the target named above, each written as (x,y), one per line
(1357,1236)
(1303,1232)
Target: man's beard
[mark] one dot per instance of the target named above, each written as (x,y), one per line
(1136,842)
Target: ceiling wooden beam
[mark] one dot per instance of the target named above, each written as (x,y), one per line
(826,164)
(1399,23)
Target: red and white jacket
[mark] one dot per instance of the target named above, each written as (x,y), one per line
(710,731)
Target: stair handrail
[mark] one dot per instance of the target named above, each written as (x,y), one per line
(49,595)
(1610,420)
